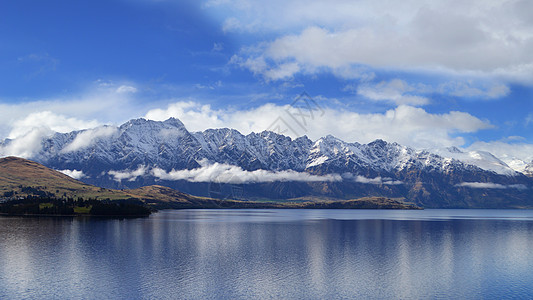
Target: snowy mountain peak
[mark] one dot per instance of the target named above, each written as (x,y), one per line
(378,143)
(174,122)
(454,149)
(481,159)
(134,122)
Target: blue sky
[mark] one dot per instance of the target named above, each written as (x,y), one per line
(445,73)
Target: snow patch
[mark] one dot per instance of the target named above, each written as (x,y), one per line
(317,161)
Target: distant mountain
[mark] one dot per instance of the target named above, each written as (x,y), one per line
(224,163)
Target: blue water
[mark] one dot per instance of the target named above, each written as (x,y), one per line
(271,254)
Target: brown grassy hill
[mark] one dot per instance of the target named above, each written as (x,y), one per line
(22,177)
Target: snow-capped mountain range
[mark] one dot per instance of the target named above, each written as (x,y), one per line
(271,165)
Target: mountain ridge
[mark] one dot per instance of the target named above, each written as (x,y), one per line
(268,165)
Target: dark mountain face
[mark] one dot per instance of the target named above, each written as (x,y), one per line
(227,164)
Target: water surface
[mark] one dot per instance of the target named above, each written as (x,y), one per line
(238,254)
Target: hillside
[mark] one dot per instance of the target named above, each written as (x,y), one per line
(21,177)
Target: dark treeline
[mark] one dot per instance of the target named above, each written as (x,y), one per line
(34,205)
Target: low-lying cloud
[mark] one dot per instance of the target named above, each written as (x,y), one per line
(73,173)
(490,185)
(225,173)
(129,175)
(377,180)
(87,137)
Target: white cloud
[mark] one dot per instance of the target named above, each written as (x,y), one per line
(488,38)
(406,125)
(73,173)
(29,122)
(49,120)
(194,115)
(396,91)
(400,92)
(490,185)
(87,137)
(124,89)
(377,180)
(128,175)
(100,104)
(225,173)
(27,145)
(470,89)
(27,133)
(282,71)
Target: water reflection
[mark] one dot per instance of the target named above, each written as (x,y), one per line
(270,254)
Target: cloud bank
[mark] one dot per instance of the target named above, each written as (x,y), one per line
(479,38)
(404,124)
(377,180)
(490,185)
(225,173)
(127,174)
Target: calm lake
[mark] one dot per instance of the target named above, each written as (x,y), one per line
(271,254)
